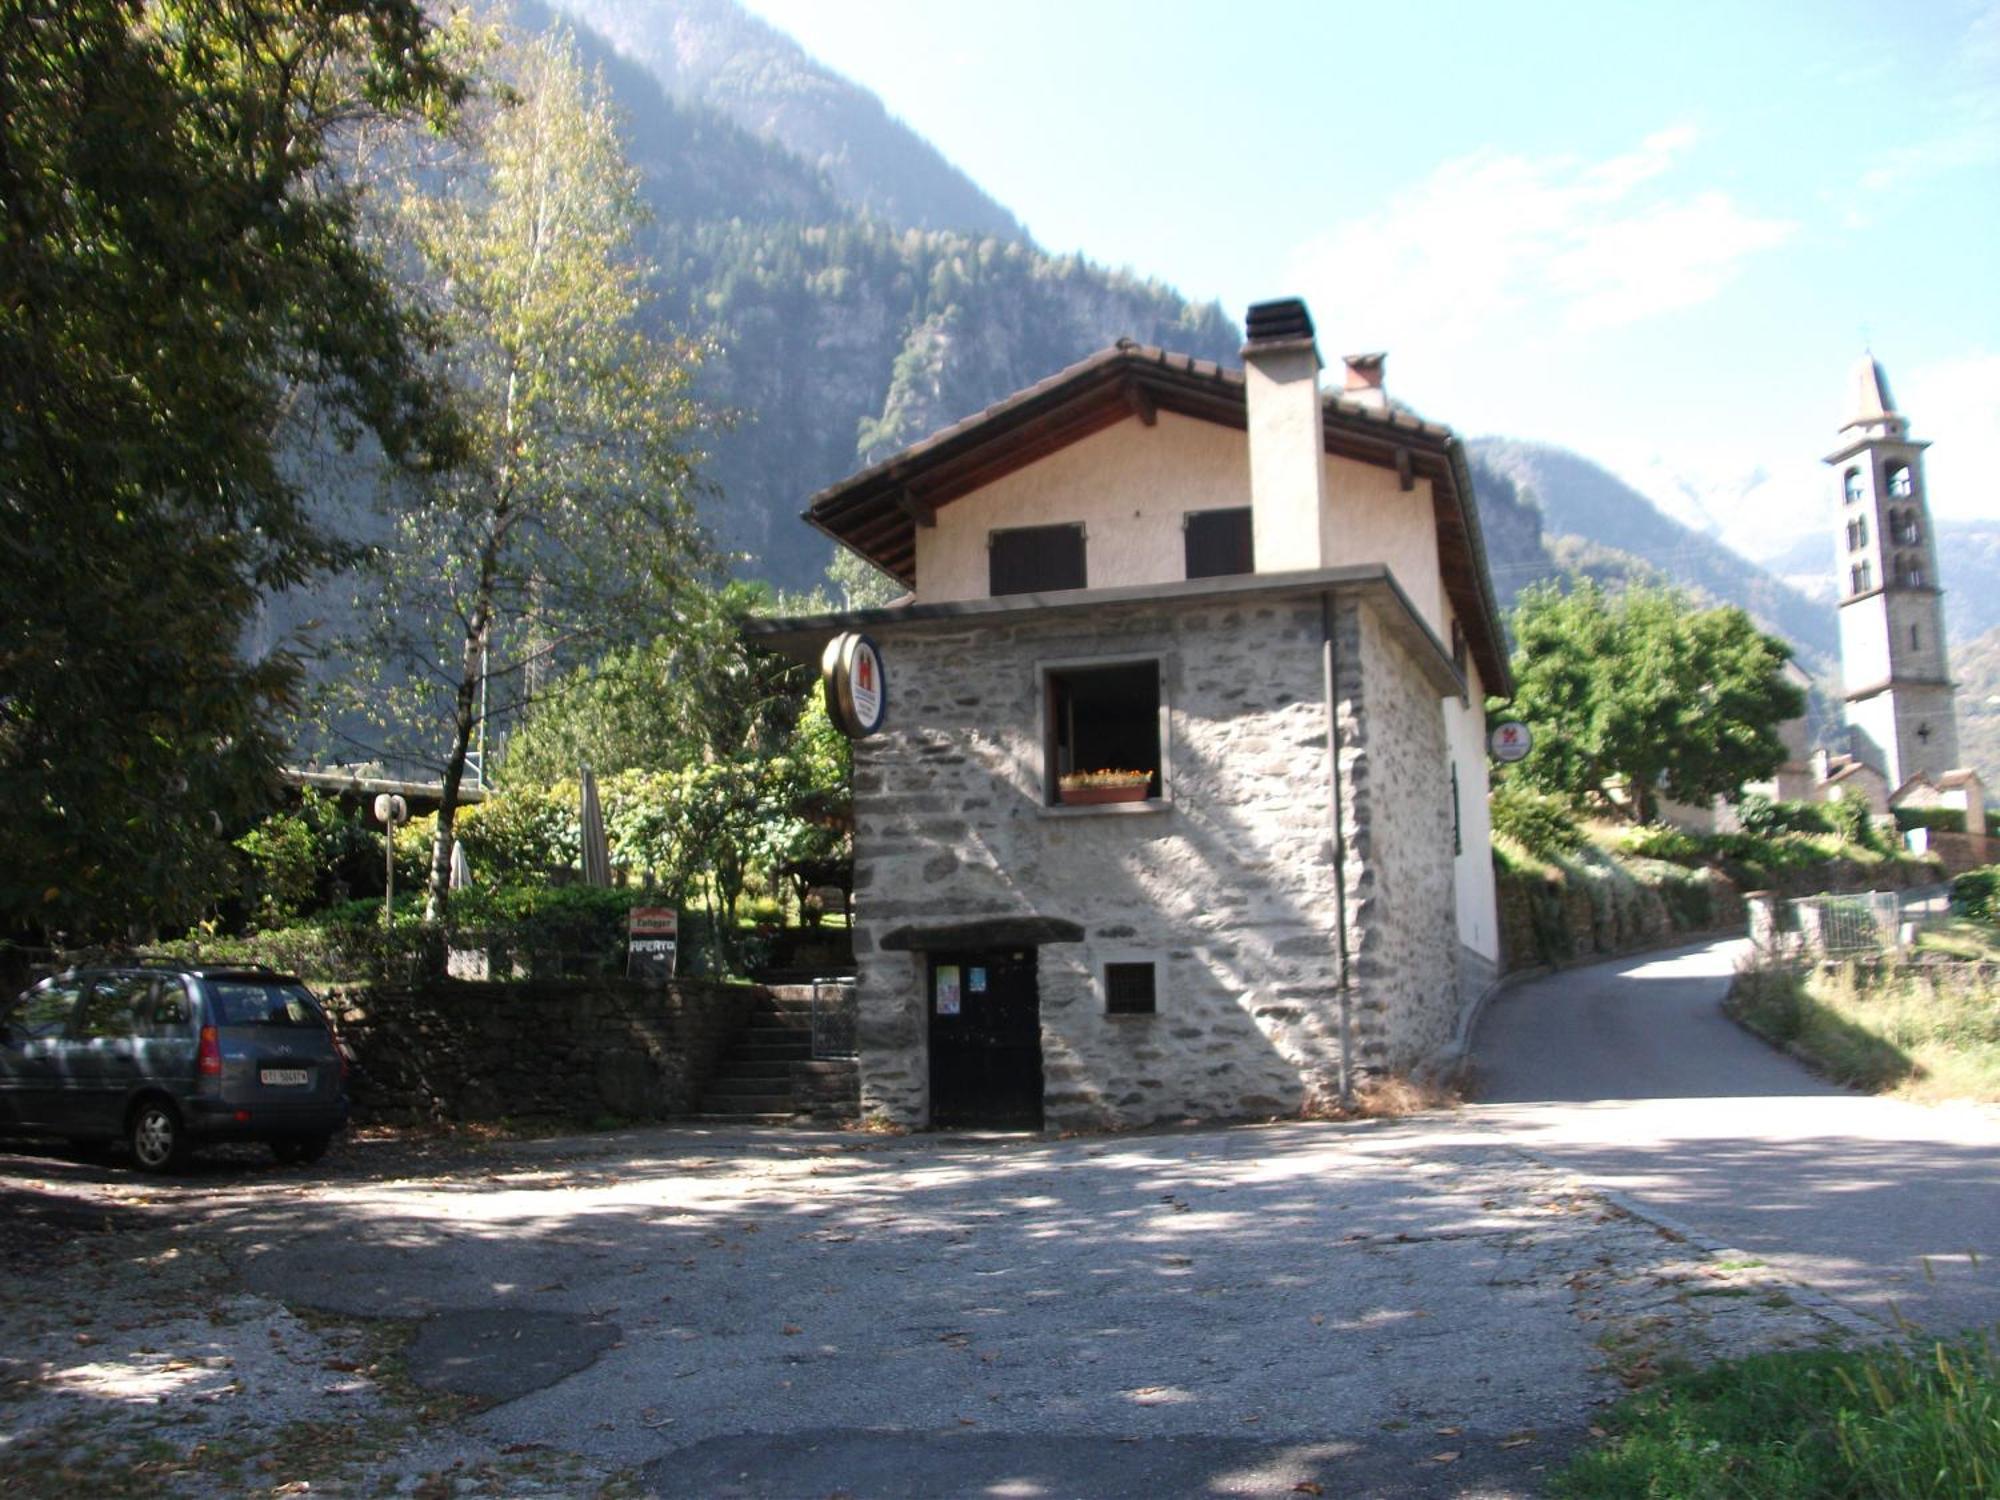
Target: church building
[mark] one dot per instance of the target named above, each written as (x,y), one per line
(1899,708)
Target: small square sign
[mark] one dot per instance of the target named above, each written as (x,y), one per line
(947,989)
(975,981)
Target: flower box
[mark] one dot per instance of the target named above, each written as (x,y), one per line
(1093,788)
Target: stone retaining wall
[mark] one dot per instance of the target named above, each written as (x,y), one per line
(576,1049)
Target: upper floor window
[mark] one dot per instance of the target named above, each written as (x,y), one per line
(1912,570)
(1899,482)
(1854,484)
(1218,542)
(1857,533)
(1862,578)
(1035,560)
(1908,532)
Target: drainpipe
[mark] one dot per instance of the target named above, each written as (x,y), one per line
(1329,666)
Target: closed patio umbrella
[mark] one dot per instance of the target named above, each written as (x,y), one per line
(461,867)
(596,847)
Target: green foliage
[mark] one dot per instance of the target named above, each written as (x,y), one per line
(569,528)
(1850,818)
(1976,894)
(1890,1423)
(1645,691)
(1766,818)
(699,693)
(1663,841)
(1937,819)
(299,856)
(859,583)
(1543,825)
(521,833)
(184,297)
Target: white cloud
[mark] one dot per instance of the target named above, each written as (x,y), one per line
(1558,241)
(1956,404)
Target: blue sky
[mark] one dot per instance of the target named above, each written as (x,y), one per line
(1658,234)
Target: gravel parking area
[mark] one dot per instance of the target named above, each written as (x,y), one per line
(1391,1309)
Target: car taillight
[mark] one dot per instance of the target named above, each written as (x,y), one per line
(208,1057)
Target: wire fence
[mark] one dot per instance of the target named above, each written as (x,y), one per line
(1853,925)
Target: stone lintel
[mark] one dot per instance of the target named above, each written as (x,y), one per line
(993,932)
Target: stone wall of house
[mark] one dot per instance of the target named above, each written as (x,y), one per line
(571,1049)
(1228,888)
(1405,913)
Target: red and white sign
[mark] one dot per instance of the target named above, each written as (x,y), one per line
(654,921)
(857,689)
(1510,741)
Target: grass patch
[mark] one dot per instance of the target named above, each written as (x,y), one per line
(1961,937)
(1925,1033)
(1894,1422)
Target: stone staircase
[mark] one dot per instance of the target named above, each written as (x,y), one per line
(769,1077)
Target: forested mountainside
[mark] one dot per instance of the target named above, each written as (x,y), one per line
(1975,666)
(1578,498)
(1968,555)
(858,297)
(714,53)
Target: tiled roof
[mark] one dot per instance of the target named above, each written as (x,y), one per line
(876,511)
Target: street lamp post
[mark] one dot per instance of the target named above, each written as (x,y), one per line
(391,811)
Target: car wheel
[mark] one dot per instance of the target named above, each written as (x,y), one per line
(302,1150)
(157,1140)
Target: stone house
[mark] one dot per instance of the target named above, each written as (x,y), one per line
(1270,606)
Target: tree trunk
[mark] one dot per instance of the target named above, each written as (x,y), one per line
(465,721)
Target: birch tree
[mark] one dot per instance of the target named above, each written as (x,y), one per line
(572,529)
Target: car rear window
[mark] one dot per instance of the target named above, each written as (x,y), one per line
(251,1002)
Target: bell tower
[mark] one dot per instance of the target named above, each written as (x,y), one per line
(1899,707)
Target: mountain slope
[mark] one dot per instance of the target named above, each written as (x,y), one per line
(842,330)
(1976,666)
(1968,554)
(1579,498)
(713,53)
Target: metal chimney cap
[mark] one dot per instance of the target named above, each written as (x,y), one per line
(1281,322)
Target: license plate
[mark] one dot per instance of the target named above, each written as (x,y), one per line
(284,1077)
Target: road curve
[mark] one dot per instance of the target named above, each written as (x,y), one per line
(1628,1073)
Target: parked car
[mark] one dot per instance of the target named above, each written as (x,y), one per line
(167,1059)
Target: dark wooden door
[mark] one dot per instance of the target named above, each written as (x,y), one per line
(986,1039)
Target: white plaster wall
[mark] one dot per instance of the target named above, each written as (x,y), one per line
(1129,485)
(1370,518)
(1472,871)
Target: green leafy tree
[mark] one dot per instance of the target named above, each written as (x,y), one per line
(1643,691)
(695,693)
(180,287)
(571,528)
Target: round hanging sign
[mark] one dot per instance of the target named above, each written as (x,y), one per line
(857,689)
(1510,741)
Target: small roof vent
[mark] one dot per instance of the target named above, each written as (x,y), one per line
(1278,322)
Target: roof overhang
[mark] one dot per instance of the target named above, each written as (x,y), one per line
(878,511)
(804,637)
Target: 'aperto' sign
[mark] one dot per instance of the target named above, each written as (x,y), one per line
(857,689)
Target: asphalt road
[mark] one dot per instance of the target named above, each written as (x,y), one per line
(1391,1310)
(1628,1074)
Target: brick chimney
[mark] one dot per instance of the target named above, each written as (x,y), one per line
(1364,379)
(1287,473)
